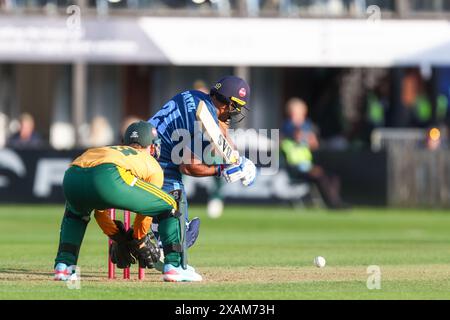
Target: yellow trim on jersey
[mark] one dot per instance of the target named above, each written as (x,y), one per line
(156,191)
(132,181)
(126,176)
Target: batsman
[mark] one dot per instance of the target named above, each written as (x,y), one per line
(126,177)
(178,124)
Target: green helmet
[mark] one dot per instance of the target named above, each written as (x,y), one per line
(142,133)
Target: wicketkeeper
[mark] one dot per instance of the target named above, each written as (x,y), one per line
(124,177)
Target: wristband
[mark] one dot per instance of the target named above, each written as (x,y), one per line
(219,169)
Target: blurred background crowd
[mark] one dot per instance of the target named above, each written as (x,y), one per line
(344,106)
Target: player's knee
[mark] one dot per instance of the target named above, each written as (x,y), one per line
(169,214)
(70,214)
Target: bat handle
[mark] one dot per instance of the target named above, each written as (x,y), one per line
(235,157)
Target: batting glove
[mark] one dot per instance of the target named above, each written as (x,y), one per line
(248,171)
(232,173)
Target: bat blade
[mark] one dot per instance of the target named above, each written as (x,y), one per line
(221,144)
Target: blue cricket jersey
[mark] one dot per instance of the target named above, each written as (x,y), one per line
(179,113)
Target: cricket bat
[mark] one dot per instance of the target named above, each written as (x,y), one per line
(221,144)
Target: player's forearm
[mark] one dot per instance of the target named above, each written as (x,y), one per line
(198,170)
(105,222)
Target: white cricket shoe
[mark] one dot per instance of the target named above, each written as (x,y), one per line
(64,272)
(178,274)
(160,265)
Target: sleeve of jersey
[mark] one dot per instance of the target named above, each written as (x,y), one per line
(105,222)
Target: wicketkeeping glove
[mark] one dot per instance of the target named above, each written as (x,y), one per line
(148,254)
(248,171)
(119,249)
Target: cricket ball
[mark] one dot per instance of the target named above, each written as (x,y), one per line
(320,262)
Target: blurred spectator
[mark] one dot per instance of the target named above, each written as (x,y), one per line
(297,112)
(377,108)
(62,135)
(417,106)
(298,141)
(27,137)
(378,105)
(99,133)
(200,85)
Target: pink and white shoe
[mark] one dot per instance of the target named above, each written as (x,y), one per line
(178,274)
(64,272)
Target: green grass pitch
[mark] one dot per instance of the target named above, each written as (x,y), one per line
(249,253)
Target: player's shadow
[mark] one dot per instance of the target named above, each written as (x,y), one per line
(21,272)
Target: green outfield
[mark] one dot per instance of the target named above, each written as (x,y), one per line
(249,253)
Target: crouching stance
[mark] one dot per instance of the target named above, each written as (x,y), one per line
(125,177)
